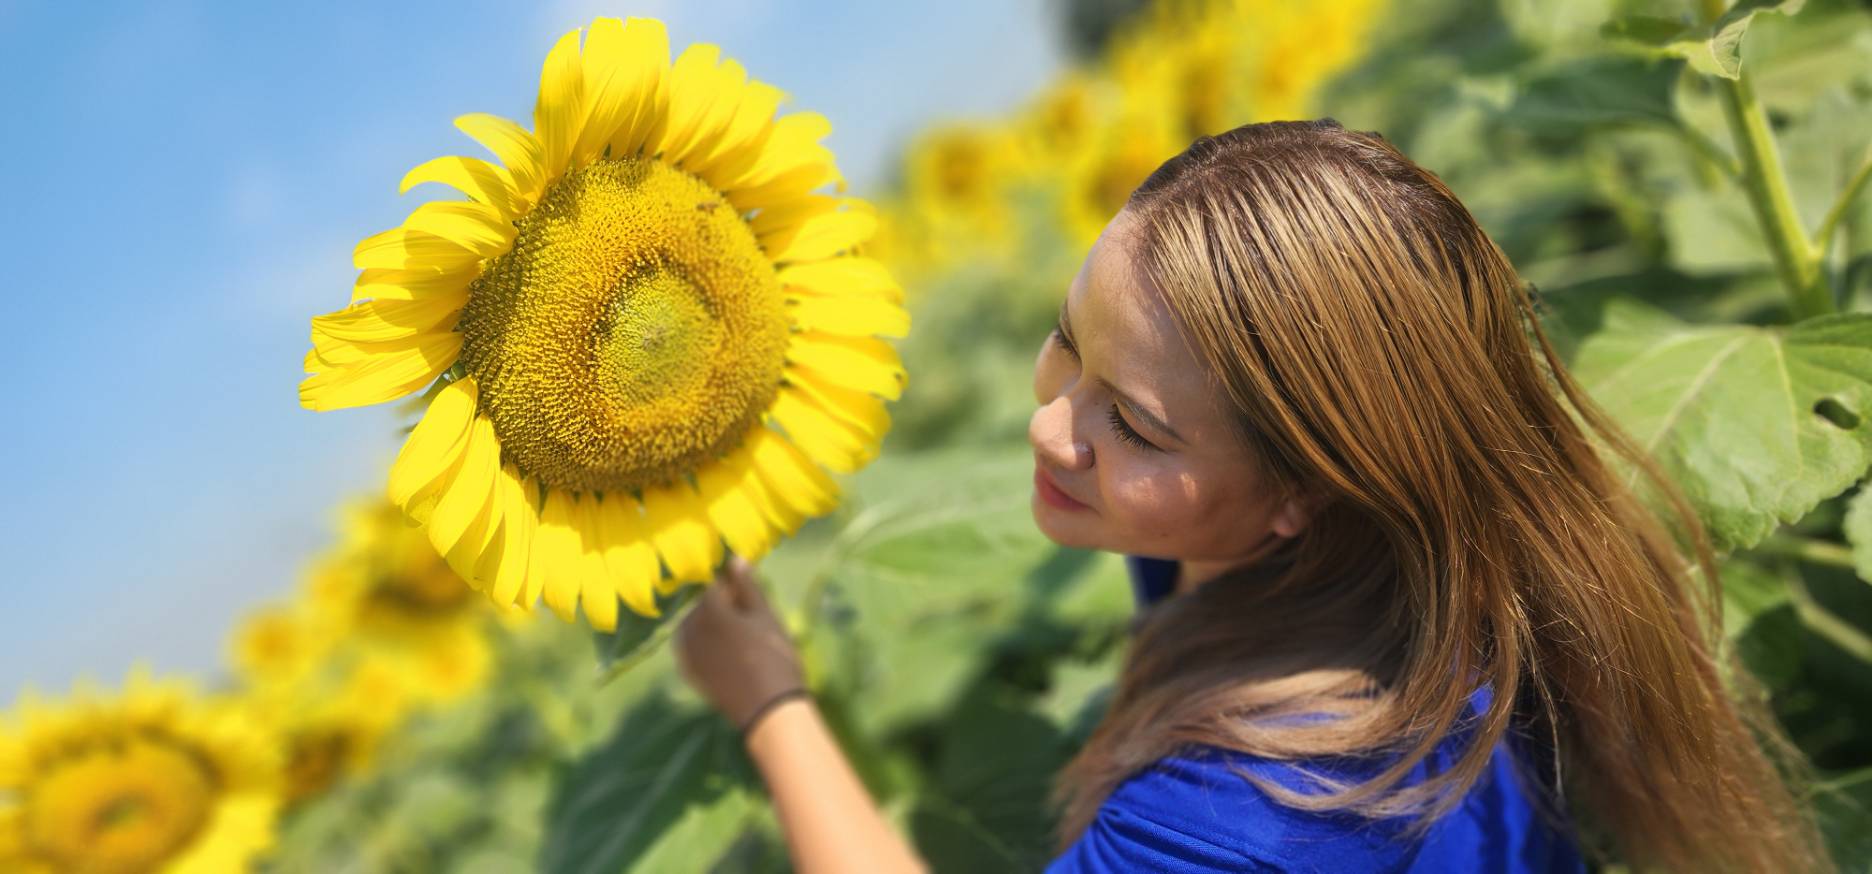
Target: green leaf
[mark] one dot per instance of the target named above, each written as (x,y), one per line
(1715,50)
(1720,54)
(1749,590)
(637,636)
(1858,529)
(668,791)
(1756,425)
(1596,90)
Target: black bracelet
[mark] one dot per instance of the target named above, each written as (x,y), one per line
(747,725)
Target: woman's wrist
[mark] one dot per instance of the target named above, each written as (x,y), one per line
(773,702)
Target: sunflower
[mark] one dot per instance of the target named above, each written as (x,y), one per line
(635,296)
(154,778)
(395,604)
(331,731)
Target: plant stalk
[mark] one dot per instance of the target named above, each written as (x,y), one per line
(1797,259)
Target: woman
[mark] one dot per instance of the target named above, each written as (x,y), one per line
(1397,611)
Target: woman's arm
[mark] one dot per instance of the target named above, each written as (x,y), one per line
(735,651)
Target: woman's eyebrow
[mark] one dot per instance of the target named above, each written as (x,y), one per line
(1136,408)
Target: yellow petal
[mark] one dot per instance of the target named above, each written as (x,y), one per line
(484,182)
(679,527)
(738,148)
(404,249)
(726,489)
(851,316)
(645,44)
(861,411)
(791,163)
(465,501)
(615,82)
(559,113)
(697,98)
(379,284)
(857,363)
(562,557)
(790,477)
(477,227)
(599,594)
(434,447)
(516,147)
(381,377)
(519,524)
(629,555)
(841,277)
(377,321)
(825,438)
(822,236)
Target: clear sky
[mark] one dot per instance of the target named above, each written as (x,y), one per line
(184,183)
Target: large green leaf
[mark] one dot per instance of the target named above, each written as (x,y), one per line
(1713,49)
(1757,425)
(668,792)
(1596,90)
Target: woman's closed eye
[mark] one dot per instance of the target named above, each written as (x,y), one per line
(1065,342)
(1127,433)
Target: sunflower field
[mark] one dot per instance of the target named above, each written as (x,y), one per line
(475,675)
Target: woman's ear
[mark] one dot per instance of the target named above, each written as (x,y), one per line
(1295,512)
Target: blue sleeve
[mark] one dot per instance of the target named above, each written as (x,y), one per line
(1189,814)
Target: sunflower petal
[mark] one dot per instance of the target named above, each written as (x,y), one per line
(732,509)
(465,500)
(380,284)
(841,277)
(824,437)
(484,182)
(477,227)
(434,447)
(694,92)
(516,147)
(850,316)
(645,44)
(377,321)
(382,377)
(822,236)
(519,526)
(405,249)
(791,478)
(791,163)
(864,412)
(738,147)
(678,525)
(858,363)
(560,111)
(613,87)
(562,557)
(597,592)
(629,555)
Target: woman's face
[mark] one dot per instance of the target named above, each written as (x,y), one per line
(1134,450)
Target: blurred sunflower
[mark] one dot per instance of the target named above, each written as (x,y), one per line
(153,778)
(958,187)
(394,601)
(640,287)
(1121,153)
(328,735)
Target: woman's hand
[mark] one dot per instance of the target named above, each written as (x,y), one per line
(733,649)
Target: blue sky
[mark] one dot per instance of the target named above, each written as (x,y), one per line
(185,182)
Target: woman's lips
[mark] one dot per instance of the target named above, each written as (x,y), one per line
(1050,493)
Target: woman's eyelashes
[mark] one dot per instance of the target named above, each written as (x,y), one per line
(1065,342)
(1120,427)
(1125,432)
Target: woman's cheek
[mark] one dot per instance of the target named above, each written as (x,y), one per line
(1140,504)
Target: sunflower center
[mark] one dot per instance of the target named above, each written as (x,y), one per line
(120,808)
(634,331)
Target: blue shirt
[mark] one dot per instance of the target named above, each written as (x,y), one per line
(1191,813)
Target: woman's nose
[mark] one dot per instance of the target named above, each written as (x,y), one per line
(1050,431)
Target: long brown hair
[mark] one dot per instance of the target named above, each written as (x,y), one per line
(1384,356)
